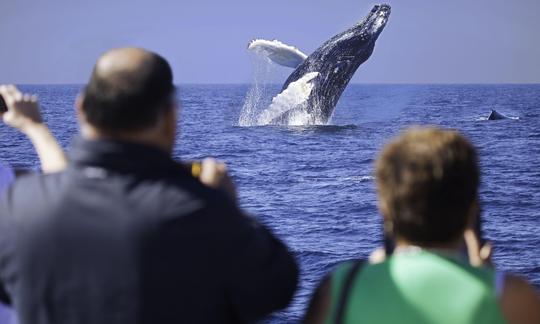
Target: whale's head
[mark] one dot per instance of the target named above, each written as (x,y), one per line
(343,53)
(359,40)
(339,58)
(371,26)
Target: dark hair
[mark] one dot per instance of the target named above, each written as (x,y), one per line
(129,100)
(427,181)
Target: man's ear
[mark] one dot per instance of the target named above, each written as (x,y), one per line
(383,210)
(168,127)
(79,110)
(85,128)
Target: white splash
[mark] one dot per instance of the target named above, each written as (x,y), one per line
(257,109)
(257,98)
(360,178)
(294,97)
(278,52)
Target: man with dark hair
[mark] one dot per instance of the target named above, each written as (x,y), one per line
(428,187)
(127,235)
(130,94)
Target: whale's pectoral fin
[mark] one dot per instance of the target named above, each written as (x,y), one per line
(278,52)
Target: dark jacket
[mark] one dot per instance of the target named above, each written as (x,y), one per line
(126,235)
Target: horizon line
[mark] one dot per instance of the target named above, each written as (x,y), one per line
(355,83)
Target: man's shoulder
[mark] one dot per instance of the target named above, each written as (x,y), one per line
(164,196)
(28,191)
(154,199)
(34,183)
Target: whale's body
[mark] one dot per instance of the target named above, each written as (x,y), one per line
(495,115)
(318,82)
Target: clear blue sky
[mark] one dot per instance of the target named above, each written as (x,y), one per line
(458,41)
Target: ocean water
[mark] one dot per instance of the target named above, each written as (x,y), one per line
(313,186)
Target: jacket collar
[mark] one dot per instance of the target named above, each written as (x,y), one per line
(124,157)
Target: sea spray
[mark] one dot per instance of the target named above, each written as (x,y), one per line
(259,108)
(262,106)
(257,97)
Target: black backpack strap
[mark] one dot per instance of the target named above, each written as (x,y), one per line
(346,290)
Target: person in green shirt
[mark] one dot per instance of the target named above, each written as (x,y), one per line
(436,270)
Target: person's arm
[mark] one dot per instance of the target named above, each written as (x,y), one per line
(320,303)
(23,114)
(50,153)
(259,273)
(520,302)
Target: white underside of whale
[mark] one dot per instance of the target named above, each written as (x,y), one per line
(278,52)
(293,99)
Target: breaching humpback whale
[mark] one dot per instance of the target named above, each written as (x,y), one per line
(312,91)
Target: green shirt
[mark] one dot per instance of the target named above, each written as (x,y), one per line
(418,287)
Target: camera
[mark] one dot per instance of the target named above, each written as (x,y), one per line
(3,106)
(193,167)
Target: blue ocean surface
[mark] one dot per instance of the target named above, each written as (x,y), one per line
(313,185)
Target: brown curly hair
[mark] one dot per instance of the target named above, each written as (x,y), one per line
(427,181)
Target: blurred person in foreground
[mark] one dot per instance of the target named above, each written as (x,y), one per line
(428,195)
(24,115)
(126,234)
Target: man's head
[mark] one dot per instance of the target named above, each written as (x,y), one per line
(428,181)
(130,96)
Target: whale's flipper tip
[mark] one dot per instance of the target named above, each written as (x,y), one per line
(278,52)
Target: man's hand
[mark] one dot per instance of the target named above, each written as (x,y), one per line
(377,256)
(22,109)
(478,255)
(23,114)
(214,174)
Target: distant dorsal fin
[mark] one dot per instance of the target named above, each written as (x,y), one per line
(278,52)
